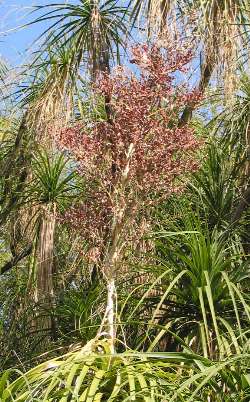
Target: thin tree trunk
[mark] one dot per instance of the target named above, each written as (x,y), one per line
(110,263)
(164,10)
(16,258)
(110,313)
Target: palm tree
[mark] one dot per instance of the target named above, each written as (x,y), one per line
(47,91)
(43,97)
(50,190)
(46,96)
(95,30)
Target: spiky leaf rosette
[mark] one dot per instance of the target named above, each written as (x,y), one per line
(92,373)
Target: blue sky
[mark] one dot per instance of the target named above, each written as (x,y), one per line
(15,44)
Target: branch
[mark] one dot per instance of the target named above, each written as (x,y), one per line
(10,264)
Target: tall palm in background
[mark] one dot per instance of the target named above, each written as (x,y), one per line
(95,31)
(51,187)
(44,95)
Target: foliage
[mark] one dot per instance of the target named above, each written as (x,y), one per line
(124,205)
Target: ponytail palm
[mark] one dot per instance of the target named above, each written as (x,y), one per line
(42,98)
(93,29)
(48,90)
(50,190)
(53,181)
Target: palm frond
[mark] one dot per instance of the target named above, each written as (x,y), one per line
(93,28)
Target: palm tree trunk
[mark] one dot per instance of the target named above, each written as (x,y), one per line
(209,64)
(44,280)
(207,70)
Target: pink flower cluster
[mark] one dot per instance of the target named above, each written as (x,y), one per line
(144,111)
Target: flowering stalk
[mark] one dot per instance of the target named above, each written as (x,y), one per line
(110,263)
(134,160)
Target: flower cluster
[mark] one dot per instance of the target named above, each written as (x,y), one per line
(144,110)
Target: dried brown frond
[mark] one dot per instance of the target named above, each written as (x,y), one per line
(217,28)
